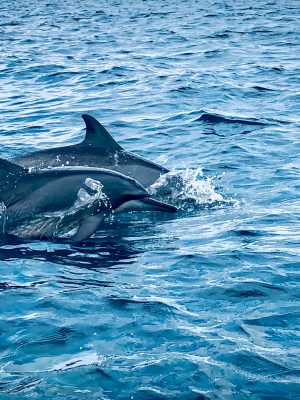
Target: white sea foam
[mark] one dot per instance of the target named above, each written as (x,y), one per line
(188,189)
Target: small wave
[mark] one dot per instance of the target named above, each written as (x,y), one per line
(286,320)
(218,119)
(11,286)
(185,89)
(257,365)
(156,304)
(117,71)
(22,385)
(188,190)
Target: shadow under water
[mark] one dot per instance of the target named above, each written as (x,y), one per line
(119,243)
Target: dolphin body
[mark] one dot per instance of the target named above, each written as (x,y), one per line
(99,150)
(49,203)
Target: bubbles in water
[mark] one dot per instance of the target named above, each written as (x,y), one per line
(2,219)
(188,190)
(91,194)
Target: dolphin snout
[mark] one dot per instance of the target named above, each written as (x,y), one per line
(155,205)
(145,204)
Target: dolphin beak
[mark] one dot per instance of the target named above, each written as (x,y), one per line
(145,204)
(155,205)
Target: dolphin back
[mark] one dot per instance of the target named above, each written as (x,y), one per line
(8,169)
(2,222)
(9,174)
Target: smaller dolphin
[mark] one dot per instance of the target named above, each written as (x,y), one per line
(98,150)
(50,203)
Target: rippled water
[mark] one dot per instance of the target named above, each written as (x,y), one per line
(203,305)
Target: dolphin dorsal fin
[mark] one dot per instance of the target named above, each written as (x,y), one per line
(97,135)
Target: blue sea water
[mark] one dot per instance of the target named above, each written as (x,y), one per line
(201,305)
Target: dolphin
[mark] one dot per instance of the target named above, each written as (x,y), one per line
(52,202)
(99,150)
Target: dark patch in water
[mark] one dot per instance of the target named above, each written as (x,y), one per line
(262,89)
(245,232)
(219,119)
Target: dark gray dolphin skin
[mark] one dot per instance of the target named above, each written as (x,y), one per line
(98,150)
(48,203)
(2,222)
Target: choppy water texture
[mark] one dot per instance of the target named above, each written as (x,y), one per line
(203,305)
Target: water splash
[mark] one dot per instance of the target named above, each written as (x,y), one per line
(188,190)
(90,196)
(93,192)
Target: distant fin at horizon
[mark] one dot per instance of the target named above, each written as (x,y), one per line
(97,135)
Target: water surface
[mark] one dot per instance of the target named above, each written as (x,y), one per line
(203,305)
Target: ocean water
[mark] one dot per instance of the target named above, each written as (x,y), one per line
(200,305)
